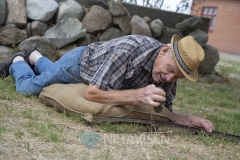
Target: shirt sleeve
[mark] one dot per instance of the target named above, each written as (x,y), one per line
(112,71)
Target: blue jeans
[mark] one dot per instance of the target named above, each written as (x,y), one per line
(65,70)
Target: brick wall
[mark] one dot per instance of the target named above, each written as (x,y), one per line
(226,34)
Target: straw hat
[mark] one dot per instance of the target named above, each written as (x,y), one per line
(188,55)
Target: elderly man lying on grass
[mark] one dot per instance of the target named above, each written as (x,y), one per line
(131,70)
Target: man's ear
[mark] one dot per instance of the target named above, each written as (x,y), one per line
(164,50)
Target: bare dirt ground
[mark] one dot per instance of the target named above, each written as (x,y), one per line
(31,130)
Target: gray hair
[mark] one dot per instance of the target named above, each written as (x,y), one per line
(169,51)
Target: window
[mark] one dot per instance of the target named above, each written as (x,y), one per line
(210,12)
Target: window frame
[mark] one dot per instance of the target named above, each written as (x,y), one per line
(211,16)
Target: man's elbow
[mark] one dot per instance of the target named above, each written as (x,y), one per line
(91,93)
(89,96)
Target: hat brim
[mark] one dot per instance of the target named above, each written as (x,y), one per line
(194,75)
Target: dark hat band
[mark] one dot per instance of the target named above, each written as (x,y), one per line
(179,59)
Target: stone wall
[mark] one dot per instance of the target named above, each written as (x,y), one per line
(67,24)
(167,17)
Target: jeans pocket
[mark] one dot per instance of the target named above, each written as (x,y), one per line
(73,72)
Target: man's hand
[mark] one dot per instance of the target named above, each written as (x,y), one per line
(193,121)
(200,123)
(151,95)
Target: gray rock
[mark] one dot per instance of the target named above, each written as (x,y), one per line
(28,30)
(209,62)
(89,38)
(42,10)
(16,13)
(8,26)
(167,34)
(200,36)
(210,78)
(140,27)
(188,25)
(3,11)
(38,28)
(65,32)
(116,8)
(97,19)
(101,3)
(69,9)
(59,1)
(66,49)
(44,45)
(156,27)
(124,22)
(147,19)
(111,33)
(10,35)
(5,52)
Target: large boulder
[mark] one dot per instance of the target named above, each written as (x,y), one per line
(123,22)
(210,61)
(65,32)
(3,11)
(44,45)
(200,36)
(41,10)
(117,8)
(101,3)
(66,49)
(188,25)
(97,19)
(147,19)
(89,38)
(167,34)
(38,28)
(140,27)
(16,13)
(156,27)
(5,52)
(111,33)
(69,9)
(10,35)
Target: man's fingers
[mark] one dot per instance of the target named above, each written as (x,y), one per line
(157,94)
(154,103)
(152,95)
(208,125)
(159,91)
(158,98)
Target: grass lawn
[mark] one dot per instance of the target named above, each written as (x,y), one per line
(31,130)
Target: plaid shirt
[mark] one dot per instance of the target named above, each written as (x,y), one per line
(124,63)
